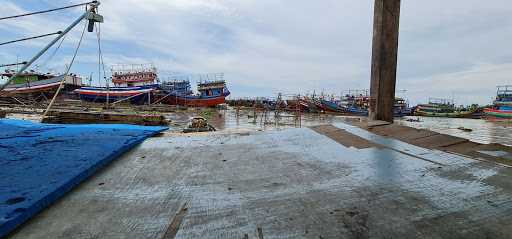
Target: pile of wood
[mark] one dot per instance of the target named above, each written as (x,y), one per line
(84,117)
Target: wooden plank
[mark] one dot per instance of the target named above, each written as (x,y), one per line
(173,228)
(384,59)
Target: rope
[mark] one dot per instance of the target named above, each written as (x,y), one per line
(45,11)
(43,64)
(67,71)
(14,64)
(98,29)
(101,63)
(30,38)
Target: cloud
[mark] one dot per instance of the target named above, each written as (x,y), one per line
(270,46)
(476,84)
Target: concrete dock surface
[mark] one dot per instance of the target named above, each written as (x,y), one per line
(332,181)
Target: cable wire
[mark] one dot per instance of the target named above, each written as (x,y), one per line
(67,71)
(30,38)
(45,62)
(45,11)
(14,64)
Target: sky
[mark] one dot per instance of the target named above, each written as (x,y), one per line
(456,49)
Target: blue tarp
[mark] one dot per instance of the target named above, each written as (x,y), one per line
(39,163)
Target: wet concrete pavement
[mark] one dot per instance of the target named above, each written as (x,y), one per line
(295,183)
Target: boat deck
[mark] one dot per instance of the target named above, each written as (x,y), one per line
(334,181)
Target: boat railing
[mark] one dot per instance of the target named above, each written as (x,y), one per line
(211,82)
(121,69)
(504,92)
(440,101)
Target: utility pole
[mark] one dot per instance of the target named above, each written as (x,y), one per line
(384,59)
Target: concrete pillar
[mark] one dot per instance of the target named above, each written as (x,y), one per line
(384,59)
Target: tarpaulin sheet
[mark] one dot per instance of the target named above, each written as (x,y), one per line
(39,163)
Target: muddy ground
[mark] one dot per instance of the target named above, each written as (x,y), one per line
(291,183)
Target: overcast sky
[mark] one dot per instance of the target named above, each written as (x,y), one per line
(456,48)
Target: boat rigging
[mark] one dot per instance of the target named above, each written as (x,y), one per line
(90,15)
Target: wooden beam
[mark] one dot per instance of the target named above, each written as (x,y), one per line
(384,59)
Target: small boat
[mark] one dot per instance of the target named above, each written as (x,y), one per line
(465,129)
(413,120)
(502,107)
(442,108)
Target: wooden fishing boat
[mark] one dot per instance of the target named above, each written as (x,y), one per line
(455,114)
(304,106)
(211,93)
(356,104)
(502,108)
(331,106)
(134,95)
(133,83)
(356,111)
(34,84)
(442,108)
(401,108)
(309,105)
(498,113)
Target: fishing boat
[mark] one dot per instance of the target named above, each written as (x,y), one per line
(132,83)
(308,104)
(37,85)
(442,108)
(176,87)
(502,107)
(401,108)
(356,104)
(134,95)
(300,103)
(331,106)
(304,105)
(356,111)
(211,93)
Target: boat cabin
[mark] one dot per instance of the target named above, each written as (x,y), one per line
(26,77)
(211,88)
(133,75)
(177,87)
(504,93)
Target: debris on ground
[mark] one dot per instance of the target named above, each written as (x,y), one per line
(465,129)
(198,124)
